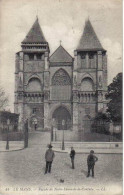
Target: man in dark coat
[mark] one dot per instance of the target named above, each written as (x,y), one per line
(49,156)
(91,159)
(72,156)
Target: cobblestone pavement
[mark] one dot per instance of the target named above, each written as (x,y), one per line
(26,168)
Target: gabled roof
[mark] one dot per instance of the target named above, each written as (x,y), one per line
(89,40)
(35,35)
(61,55)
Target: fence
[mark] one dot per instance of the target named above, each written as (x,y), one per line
(104,131)
(12,136)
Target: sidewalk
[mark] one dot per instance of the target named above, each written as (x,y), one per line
(13,146)
(87,150)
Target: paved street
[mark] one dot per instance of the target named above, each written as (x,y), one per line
(26,168)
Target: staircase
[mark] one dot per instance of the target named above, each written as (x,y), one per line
(39,138)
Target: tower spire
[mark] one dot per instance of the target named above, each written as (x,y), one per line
(89,40)
(35,35)
(37,14)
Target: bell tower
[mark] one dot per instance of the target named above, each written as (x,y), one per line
(89,77)
(32,78)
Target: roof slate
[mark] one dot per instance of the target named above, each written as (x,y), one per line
(89,39)
(35,35)
(61,55)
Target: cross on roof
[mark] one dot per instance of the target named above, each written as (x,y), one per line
(37,14)
(60,42)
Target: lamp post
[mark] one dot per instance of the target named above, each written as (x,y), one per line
(111,130)
(63,144)
(26,134)
(7,141)
(52,129)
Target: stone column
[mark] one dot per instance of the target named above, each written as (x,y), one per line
(46,109)
(99,81)
(46,61)
(87,60)
(46,91)
(20,111)
(75,60)
(75,110)
(46,114)
(20,93)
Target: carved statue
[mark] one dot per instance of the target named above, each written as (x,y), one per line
(75,80)
(75,96)
(100,81)
(46,81)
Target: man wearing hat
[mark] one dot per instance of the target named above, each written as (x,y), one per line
(91,159)
(72,156)
(49,156)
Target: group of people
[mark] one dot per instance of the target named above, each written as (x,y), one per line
(49,156)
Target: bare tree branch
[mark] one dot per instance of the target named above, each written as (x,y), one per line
(3,99)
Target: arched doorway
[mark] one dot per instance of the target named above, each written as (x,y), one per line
(61,114)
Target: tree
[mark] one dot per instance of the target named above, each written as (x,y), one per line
(3,99)
(114,96)
(101,123)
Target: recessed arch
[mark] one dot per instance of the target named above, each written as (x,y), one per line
(85,75)
(87,84)
(34,85)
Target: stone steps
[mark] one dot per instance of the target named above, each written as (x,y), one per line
(85,147)
(39,138)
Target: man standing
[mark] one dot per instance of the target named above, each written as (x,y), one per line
(72,156)
(91,159)
(49,156)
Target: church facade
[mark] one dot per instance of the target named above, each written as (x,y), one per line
(50,89)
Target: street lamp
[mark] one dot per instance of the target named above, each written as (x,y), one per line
(111,130)
(52,129)
(63,144)
(7,141)
(26,134)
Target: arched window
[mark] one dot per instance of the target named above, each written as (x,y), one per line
(34,84)
(61,77)
(87,84)
(61,85)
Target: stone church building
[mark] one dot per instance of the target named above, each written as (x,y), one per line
(50,88)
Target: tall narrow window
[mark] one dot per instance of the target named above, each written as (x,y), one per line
(83,60)
(31,56)
(91,60)
(34,110)
(39,56)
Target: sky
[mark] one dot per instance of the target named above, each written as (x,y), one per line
(60,20)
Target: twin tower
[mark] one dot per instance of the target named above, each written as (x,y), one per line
(50,89)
